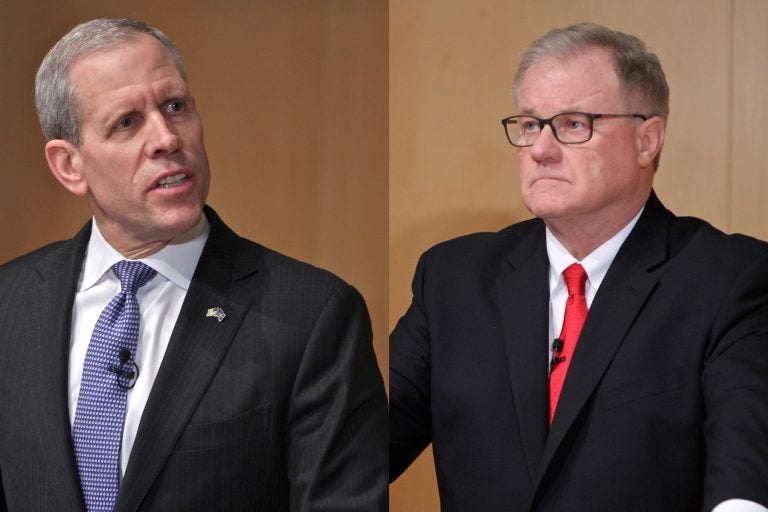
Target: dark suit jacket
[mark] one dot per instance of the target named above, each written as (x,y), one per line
(665,406)
(279,406)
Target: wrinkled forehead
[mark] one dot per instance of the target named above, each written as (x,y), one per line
(113,58)
(138,59)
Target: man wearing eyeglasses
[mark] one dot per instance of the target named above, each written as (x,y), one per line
(606,355)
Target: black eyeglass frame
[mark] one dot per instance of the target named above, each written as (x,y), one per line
(548,122)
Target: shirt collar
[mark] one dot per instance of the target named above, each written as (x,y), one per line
(596,263)
(176,261)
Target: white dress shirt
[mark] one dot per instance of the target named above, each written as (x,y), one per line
(596,265)
(159,300)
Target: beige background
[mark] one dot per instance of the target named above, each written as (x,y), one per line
(293,96)
(453,172)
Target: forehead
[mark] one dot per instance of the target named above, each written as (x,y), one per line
(586,80)
(136,62)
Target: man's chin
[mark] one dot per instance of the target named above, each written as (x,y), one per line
(179,223)
(545,208)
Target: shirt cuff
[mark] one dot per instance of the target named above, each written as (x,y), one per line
(739,506)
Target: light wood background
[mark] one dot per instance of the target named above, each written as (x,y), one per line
(314,109)
(293,95)
(452,171)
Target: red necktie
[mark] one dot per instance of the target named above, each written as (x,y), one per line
(575,314)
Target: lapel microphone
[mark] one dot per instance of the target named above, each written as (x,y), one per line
(126,377)
(557,347)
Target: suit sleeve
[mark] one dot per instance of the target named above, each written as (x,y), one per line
(337,426)
(735,387)
(410,421)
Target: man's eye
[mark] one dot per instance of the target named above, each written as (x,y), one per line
(174,107)
(529,126)
(125,123)
(572,123)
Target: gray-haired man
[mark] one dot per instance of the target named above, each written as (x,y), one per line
(157,361)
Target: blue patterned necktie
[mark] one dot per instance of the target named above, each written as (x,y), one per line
(97,431)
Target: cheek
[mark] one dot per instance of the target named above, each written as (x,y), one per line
(525,169)
(591,169)
(115,171)
(190,129)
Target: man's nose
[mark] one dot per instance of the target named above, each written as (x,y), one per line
(546,147)
(162,138)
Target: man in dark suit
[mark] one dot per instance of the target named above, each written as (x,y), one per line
(606,355)
(250,383)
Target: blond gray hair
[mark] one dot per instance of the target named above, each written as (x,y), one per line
(638,69)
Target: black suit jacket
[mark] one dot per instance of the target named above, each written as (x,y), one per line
(665,406)
(278,407)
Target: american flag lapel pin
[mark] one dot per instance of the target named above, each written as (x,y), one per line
(216,313)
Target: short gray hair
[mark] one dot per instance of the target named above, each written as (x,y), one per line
(638,69)
(56,99)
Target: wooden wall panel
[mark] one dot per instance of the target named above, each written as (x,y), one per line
(452,171)
(750,118)
(293,96)
(693,40)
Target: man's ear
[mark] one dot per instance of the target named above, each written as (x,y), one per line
(65,164)
(650,139)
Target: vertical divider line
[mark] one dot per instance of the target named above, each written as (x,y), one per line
(731,90)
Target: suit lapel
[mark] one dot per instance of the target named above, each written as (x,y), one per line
(524,298)
(197,347)
(49,330)
(619,300)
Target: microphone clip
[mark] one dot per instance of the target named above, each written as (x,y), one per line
(126,377)
(557,348)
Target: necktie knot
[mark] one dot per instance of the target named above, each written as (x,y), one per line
(133,275)
(575,279)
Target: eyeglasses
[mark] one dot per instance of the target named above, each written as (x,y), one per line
(567,127)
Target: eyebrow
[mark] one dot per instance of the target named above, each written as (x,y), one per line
(122,108)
